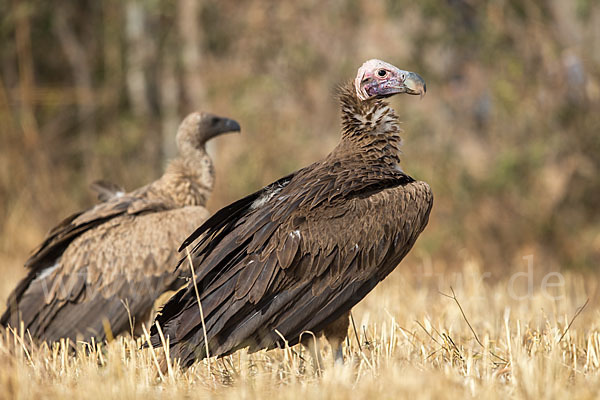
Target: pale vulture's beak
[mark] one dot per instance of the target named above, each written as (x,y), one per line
(415,84)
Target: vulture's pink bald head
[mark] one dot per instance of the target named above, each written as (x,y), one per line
(378,79)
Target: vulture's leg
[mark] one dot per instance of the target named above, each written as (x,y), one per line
(336,333)
(311,343)
(144,320)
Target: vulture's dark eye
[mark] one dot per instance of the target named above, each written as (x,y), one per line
(382,73)
(214,120)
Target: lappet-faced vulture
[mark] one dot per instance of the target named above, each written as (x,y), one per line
(103,268)
(298,254)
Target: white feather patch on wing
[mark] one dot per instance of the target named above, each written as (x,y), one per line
(47,271)
(264,199)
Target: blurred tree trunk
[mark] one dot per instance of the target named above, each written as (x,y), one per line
(141,60)
(188,22)
(26,77)
(112,59)
(138,54)
(77,57)
(189,32)
(169,101)
(183,45)
(29,151)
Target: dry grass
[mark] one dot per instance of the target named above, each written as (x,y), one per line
(414,342)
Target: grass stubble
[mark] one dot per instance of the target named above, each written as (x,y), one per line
(413,337)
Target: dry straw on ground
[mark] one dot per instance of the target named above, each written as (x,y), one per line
(413,341)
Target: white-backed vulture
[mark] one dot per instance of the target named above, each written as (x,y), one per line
(298,254)
(104,267)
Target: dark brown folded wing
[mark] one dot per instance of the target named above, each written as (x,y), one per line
(295,263)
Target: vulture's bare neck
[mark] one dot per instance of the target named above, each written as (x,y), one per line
(189,178)
(370,131)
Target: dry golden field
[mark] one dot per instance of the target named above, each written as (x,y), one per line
(413,341)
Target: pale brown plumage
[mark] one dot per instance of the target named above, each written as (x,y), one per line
(109,263)
(297,255)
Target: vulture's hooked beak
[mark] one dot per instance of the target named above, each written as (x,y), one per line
(414,84)
(402,81)
(230,125)
(217,126)
(222,125)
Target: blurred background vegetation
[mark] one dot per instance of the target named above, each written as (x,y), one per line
(508,135)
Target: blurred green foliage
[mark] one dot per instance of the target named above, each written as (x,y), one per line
(507,136)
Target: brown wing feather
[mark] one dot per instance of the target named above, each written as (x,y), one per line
(61,235)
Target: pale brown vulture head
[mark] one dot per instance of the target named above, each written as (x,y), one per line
(378,79)
(198,127)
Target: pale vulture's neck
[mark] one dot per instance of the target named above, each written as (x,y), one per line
(189,178)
